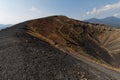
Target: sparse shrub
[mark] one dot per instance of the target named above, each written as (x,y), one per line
(53,37)
(66,36)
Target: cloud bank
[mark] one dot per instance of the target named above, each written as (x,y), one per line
(105,8)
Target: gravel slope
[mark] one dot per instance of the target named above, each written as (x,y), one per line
(23,57)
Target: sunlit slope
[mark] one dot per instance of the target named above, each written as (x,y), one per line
(94,41)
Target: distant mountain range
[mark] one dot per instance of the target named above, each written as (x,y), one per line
(2,26)
(110,21)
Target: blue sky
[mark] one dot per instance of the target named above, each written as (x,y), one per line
(15,11)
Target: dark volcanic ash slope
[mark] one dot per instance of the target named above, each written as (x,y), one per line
(24,57)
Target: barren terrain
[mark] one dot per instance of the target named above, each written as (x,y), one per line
(26,55)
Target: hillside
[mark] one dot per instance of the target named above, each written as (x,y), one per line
(98,42)
(50,49)
(111,21)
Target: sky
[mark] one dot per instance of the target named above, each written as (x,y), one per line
(15,11)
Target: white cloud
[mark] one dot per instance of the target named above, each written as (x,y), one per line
(34,9)
(116,14)
(35,12)
(108,7)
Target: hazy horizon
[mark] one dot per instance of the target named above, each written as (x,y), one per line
(17,11)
